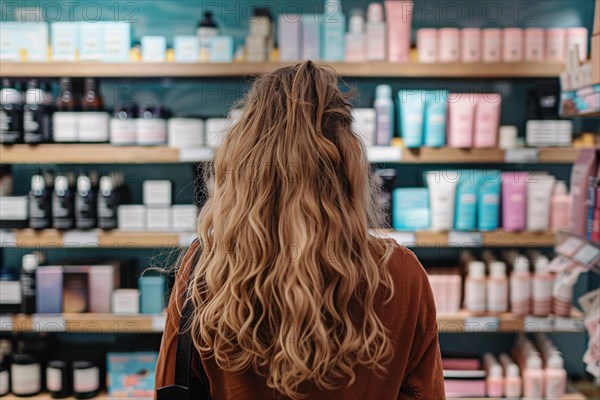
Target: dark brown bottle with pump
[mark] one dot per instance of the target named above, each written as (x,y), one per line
(66,100)
(37,114)
(91,100)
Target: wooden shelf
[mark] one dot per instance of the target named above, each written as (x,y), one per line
(366,69)
(52,238)
(108,154)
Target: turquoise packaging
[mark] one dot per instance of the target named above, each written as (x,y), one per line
(333,32)
(465,214)
(152,294)
(435,118)
(131,375)
(221,49)
(488,200)
(410,209)
(412,107)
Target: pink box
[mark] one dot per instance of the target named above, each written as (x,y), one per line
(103,279)
(487,120)
(512,45)
(398,19)
(461,113)
(491,39)
(556,45)
(514,200)
(470,45)
(427,39)
(449,45)
(534,44)
(578,37)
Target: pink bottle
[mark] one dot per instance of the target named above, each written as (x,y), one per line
(533,377)
(555,377)
(427,45)
(448,45)
(534,44)
(512,44)
(398,17)
(470,45)
(497,288)
(475,288)
(542,283)
(491,45)
(556,45)
(461,110)
(494,381)
(578,37)
(512,378)
(520,286)
(514,201)
(487,120)
(560,208)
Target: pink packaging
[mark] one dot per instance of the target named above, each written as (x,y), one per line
(448,45)
(427,45)
(578,37)
(487,120)
(556,45)
(584,167)
(534,44)
(398,19)
(470,45)
(102,280)
(514,200)
(512,44)
(461,110)
(491,45)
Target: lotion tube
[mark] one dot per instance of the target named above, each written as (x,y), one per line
(442,189)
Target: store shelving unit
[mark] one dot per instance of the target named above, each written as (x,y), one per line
(365,69)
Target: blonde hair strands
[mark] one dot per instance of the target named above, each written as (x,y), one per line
(288,276)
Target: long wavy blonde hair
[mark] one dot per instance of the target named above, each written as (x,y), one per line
(287,279)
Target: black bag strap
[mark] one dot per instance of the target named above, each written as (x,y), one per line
(186,387)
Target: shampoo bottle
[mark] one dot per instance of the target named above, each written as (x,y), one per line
(384,108)
(555,377)
(494,381)
(85,203)
(37,114)
(108,203)
(333,32)
(27,281)
(533,376)
(399,19)
(488,201)
(355,38)
(512,377)
(11,113)
(475,288)
(520,286)
(206,30)
(412,108)
(40,202)
(542,284)
(560,209)
(63,203)
(435,118)
(376,32)
(497,288)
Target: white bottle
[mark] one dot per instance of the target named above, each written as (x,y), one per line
(207,30)
(520,286)
(497,288)
(376,34)
(384,109)
(555,377)
(355,38)
(542,283)
(533,376)
(475,288)
(512,377)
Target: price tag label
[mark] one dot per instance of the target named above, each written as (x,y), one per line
(158,322)
(195,154)
(482,324)
(588,255)
(48,323)
(562,324)
(8,238)
(6,323)
(81,238)
(186,239)
(404,238)
(384,154)
(521,155)
(465,239)
(537,324)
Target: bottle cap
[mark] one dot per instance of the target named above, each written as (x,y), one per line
(534,361)
(508,137)
(383,92)
(29,262)
(541,262)
(497,269)
(495,371)
(555,361)
(512,370)
(521,263)
(83,183)
(375,12)
(477,269)
(560,187)
(61,183)
(357,22)
(106,185)
(38,183)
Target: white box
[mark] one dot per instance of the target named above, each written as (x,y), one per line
(116,41)
(157,193)
(184,217)
(364,122)
(34,39)
(66,126)
(311,36)
(288,37)
(13,208)
(185,132)
(132,217)
(10,41)
(154,48)
(65,41)
(549,133)
(158,218)
(186,48)
(93,126)
(126,301)
(91,41)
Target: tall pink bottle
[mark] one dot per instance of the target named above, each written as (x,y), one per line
(513,384)
(514,201)
(494,381)
(398,17)
(542,284)
(533,377)
(520,286)
(497,288)
(487,120)
(555,377)
(560,207)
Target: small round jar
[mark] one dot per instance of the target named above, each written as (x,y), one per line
(57,379)
(491,45)
(151,126)
(470,45)
(86,380)
(427,45)
(449,45)
(25,375)
(556,45)
(512,44)
(534,44)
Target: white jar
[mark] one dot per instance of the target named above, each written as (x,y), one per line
(186,132)
(93,127)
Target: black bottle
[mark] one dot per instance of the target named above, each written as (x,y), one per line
(11,113)
(86,380)
(58,380)
(25,375)
(63,202)
(27,280)
(108,202)
(40,202)
(37,114)
(387,178)
(86,207)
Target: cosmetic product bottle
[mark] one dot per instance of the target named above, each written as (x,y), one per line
(427,45)
(507,137)
(25,375)
(514,201)
(207,30)
(355,38)
(488,201)
(465,215)
(520,286)
(85,203)
(592,188)
(333,32)
(58,379)
(376,33)
(578,37)
(487,120)
(584,167)
(555,377)
(91,100)
(539,194)
(259,43)
(442,195)
(49,285)
(151,126)
(542,283)
(65,120)
(461,114)
(556,45)
(560,211)
(491,45)
(384,109)
(108,203)
(27,281)
(6,180)
(533,377)
(448,45)
(63,203)
(289,37)
(10,288)
(37,114)
(152,293)
(387,179)
(534,44)
(494,381)
(512,377)
(596,221)
(470,45)
(475,288)
(93,121)
(123,126)
(399,19)
(412,109)
(436,107)
(497,288)
(11,113)
(512,45)
(311,37)
(86,379)
(4,375)
(40,201)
